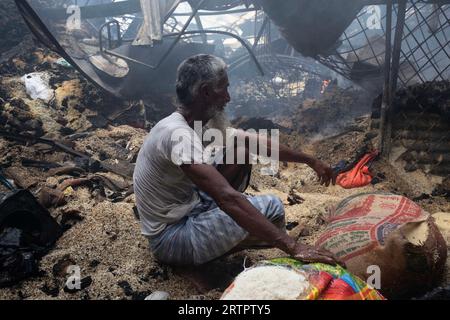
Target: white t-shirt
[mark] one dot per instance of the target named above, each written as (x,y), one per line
(164,194)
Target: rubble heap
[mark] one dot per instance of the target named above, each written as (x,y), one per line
(12,25)
(331,113)
(75,154)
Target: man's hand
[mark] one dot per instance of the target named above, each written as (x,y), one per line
(286,154)
(324,172)
(312,254)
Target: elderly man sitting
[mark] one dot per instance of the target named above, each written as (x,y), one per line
(194,211)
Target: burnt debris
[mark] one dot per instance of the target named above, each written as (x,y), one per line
(27,233)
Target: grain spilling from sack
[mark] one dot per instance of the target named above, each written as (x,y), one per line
(268,283)
(391,233)
(289,279)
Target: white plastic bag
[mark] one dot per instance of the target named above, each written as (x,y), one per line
(37,85)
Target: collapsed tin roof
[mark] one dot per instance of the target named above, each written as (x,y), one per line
(117,44)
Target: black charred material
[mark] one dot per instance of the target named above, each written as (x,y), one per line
(12,25)
(422,126)
(291,225)
(440,293)
(70,218)
(27,232)
(432,97)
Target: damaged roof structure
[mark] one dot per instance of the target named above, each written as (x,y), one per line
(309,66)
(122,45)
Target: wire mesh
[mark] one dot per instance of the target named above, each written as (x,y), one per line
(425,47)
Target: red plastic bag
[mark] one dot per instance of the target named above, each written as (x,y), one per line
(359,176)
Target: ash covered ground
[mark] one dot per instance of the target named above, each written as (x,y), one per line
(94,202)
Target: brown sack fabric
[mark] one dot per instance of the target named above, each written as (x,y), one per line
(391,232)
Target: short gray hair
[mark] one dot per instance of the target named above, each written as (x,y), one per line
(195,71)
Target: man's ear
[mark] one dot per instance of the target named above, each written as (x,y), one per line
(205,90)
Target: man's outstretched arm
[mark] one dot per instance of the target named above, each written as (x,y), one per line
(209,180)
(324,172)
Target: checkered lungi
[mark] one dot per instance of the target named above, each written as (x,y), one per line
(207,232)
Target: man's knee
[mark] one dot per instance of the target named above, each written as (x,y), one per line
(275,208)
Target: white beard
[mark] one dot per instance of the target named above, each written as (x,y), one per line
(220,122)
